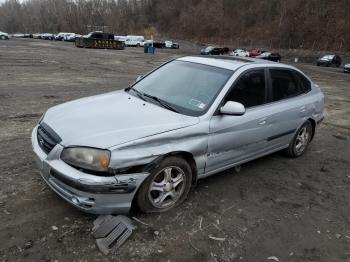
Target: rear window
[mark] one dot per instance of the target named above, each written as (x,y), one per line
(304,83)
(284,84)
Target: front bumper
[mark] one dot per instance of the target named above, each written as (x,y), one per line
(90,193)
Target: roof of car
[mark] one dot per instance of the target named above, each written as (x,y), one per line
(226,62)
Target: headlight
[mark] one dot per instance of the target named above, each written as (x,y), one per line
(87,158)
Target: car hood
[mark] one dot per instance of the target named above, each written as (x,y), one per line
(111,119)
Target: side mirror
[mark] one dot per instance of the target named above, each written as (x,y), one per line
(232,108)
(138,78)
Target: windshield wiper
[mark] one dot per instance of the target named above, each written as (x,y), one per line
(161,102)
(137,92)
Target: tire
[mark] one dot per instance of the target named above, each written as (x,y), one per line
(300,141)
(2,37)
(166,194)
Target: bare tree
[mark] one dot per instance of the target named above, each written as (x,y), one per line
(271,23)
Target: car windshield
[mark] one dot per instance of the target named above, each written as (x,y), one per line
(328,57)
(185,87)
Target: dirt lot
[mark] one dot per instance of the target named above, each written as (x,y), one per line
(293,209)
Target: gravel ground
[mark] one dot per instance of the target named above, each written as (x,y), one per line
(275,208)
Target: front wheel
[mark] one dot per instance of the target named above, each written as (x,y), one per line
(300,141)
(166,187)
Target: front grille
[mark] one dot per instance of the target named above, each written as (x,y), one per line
(47,138)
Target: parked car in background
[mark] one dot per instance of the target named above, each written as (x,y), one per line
(171,44)
(239,52)
(347,68)
(275,57)
(210,50)
(4,36)
(37,36)
(186,120)
(329,60)
(158,44)
(71,37)
(147,43)
(48,36)
(18,35)
(256,52)
(134,40)
(60,36)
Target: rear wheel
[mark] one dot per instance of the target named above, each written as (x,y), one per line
(166,187)
(2,37)
(300,141)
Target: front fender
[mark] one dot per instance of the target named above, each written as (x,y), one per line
(193,140)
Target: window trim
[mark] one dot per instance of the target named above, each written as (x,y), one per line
(221,104)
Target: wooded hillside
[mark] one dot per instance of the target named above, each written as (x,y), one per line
(310,24)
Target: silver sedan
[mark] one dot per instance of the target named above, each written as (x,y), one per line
(190,118)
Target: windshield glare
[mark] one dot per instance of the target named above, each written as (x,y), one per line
(328,57)
(188,87)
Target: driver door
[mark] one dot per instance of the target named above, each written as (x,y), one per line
(236,138)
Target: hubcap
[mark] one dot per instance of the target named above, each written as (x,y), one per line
(167,187)
(302,140)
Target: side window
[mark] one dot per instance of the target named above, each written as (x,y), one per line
(250,89)
(304,83)
(97,35)
(284,84)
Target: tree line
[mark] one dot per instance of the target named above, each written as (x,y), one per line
(309,24)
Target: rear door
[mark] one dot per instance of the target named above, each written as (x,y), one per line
(288,104)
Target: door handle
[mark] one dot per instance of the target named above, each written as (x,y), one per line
(262,121)
(302,109)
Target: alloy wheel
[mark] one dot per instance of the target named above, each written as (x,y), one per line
(167,187)
(302,140)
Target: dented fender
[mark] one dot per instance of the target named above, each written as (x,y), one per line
(192,140)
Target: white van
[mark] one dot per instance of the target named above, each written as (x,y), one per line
(134,40)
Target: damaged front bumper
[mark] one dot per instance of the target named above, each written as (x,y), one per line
(90,193)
